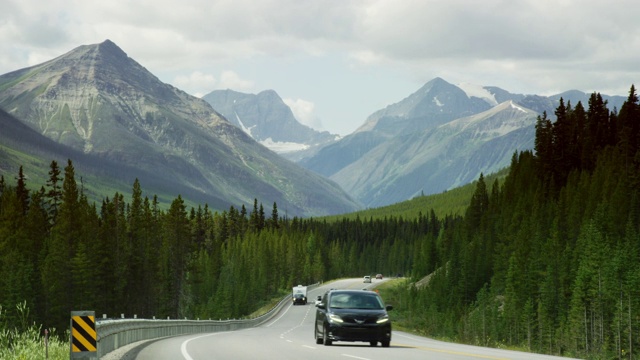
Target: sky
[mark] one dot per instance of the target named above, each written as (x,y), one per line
(335,62)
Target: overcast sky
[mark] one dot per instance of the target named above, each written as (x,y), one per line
(336,62)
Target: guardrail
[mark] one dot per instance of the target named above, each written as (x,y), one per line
(116,333)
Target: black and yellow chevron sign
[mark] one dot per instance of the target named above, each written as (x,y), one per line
(83,332)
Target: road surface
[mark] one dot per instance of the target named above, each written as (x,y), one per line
(289,335)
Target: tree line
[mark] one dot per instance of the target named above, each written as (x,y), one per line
(547,260)
(59,252)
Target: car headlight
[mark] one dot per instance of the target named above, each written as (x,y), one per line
(383,319)
(335,318)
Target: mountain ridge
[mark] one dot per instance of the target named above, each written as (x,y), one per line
(384,161)
(442,156)
(97,100)
(268,120)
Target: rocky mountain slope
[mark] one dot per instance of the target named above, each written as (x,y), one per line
(439,137)
(98,101)
(439,158)
(267,119)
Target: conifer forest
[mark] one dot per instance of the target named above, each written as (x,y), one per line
(546,260)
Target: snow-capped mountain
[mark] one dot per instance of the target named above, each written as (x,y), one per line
(267,119)
(440,137)
(436,103)
(439,158)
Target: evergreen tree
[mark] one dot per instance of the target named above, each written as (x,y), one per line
(57,285)
(22,192)
(55,192)
(544,146)
(174,253)
(478,205)
(274,216)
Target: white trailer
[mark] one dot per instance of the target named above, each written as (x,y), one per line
(299,295)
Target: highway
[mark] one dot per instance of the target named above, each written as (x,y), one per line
(289,335)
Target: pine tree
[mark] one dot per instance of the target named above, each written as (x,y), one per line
(176,246)
(22,192)
(138,245)
(478,205)
(274,217)
(544,146)
(55,192)
(58,289)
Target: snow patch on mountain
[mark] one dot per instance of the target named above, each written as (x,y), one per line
(517,107)
(283,147)
(243,127)
(437,102)
(479,92)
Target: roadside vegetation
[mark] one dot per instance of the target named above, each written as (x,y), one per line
(545,258)
(26,341)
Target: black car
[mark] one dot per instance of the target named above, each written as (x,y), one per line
(299,298)
(352,315)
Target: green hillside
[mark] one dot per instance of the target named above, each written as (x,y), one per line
(451,202)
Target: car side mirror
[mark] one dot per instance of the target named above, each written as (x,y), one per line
(389,307)
(321,306)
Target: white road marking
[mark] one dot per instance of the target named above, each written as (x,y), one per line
(355,357)
(276,320)
(183,347)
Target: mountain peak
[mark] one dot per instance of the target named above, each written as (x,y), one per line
(109,53)
(100,102)
(109,47)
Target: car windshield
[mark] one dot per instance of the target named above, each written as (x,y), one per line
(356,301)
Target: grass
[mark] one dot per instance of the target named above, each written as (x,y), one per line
(268,305)
(391,291)
(27,341)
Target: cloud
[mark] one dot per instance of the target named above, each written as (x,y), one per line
(303,111)
(528,46)
(199,84)
(196,83)
(231,80)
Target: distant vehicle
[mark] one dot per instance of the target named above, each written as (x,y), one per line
(318,299)
(299,295)
(367,279)
(352,315)
(379,276)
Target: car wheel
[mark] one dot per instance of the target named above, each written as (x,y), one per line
(318,339)
(325,337)
(385,343)
(373,343)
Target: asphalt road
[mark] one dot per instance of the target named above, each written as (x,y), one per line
(289,335)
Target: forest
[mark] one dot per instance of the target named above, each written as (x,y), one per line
(546,259)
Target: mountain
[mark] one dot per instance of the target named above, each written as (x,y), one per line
(437,138)
(22,145)
(267,119)
(97,101)
(439,158)
(436,103)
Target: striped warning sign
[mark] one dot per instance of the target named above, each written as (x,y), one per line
(83,332)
